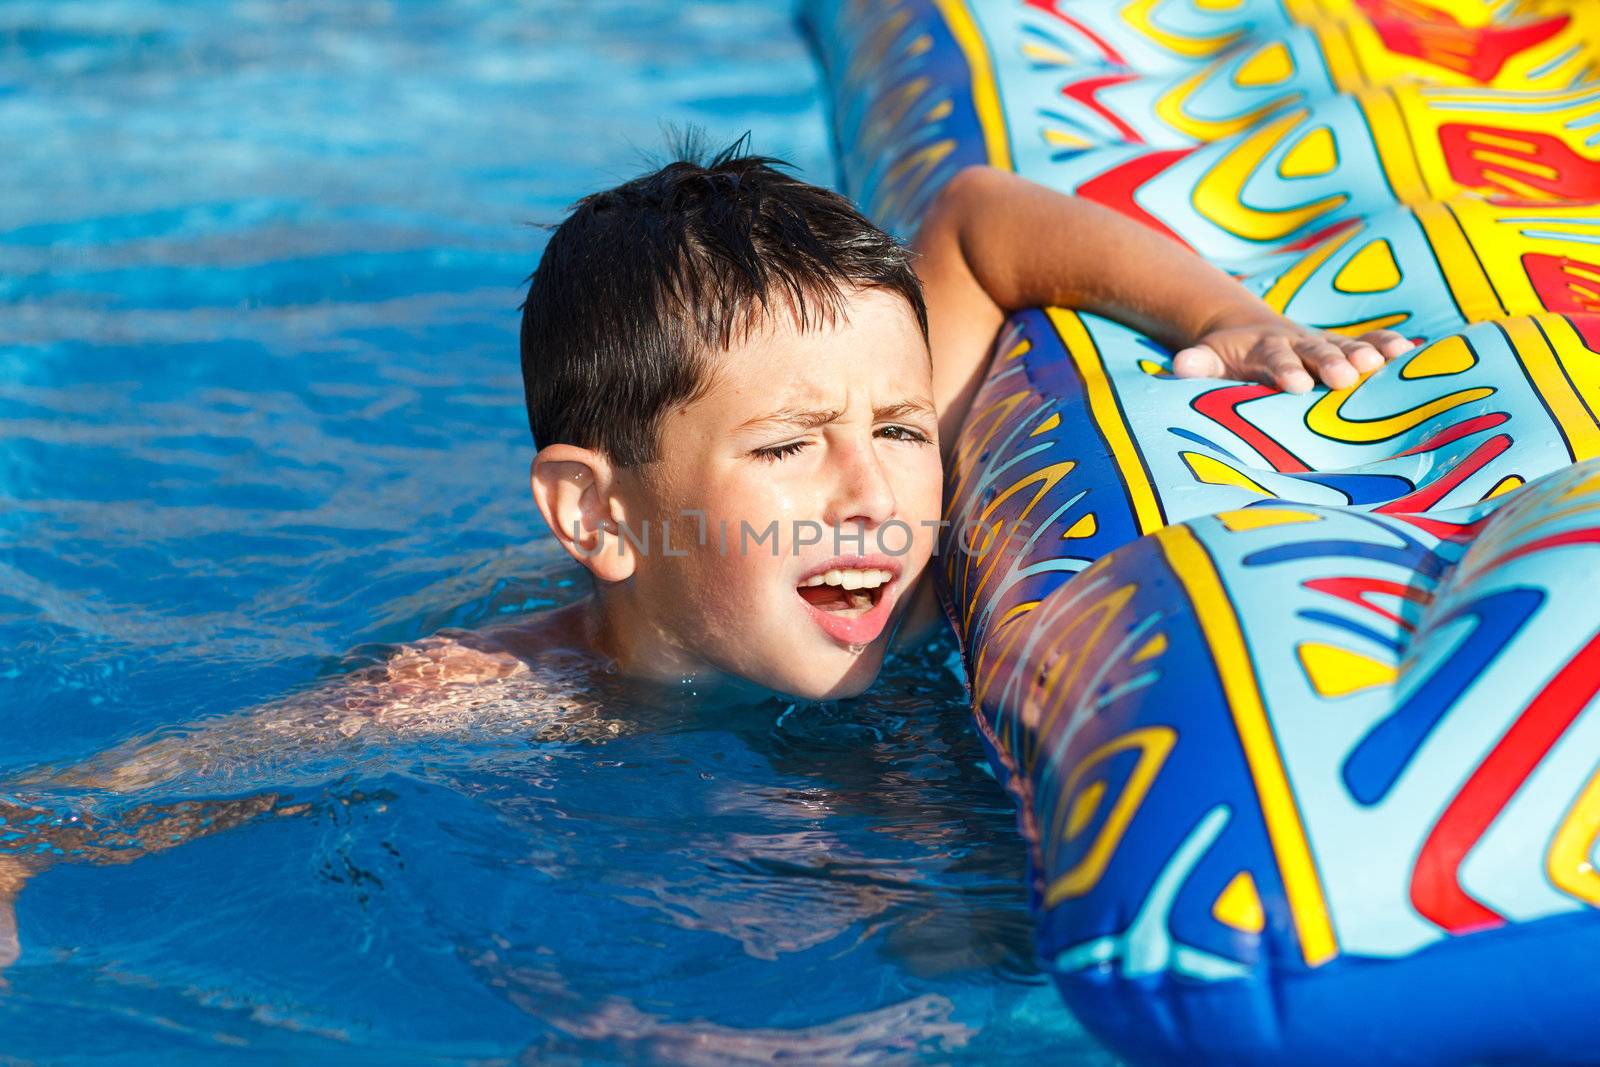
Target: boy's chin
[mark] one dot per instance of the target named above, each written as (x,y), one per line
(855,680)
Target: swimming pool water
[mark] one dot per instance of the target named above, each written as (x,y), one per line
(260,421)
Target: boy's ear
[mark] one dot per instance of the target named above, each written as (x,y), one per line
(576,490)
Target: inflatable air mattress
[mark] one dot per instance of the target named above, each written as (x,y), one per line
(1296,694)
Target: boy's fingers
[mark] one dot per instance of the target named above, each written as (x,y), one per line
(1330,362)
(1387,342)
(1283,365)
(1198,361)
(1363,355)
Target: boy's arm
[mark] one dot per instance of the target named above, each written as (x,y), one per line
(994,243)
(408,692)
(405,692)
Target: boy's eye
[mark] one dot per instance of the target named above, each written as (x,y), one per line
(895,433)
(907,433)
(776,452)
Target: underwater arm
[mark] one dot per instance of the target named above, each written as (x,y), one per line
(410,692)
(44,824)
(994,243)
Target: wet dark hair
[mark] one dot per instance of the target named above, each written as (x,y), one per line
(643,283)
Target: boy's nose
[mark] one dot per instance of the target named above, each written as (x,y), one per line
(863,493)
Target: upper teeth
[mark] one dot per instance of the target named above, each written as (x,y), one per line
(851,578)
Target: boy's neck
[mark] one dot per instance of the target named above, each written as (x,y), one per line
(641,650)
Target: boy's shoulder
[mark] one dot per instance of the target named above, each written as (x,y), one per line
(452,657)
(458,656)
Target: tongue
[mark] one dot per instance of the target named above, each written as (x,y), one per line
(826,597)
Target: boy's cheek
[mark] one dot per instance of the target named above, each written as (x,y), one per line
(735,587)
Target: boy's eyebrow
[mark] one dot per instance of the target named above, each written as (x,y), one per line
(915,406)
(810,420)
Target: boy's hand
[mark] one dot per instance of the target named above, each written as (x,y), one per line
(1292,357)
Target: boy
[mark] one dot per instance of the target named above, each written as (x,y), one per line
(713,351)
(741,389)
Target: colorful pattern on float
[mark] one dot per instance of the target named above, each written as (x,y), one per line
(1306,752)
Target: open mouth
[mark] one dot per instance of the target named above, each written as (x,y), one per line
(850,603)
(851,593)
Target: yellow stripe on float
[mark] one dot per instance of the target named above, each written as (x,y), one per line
(1194,568)
(1169,109)
(1108,418)
(1567,861)
(1344,69)
(1463,272)
(985,91)
(1327,419)
(1561,377)
(1356,329)
(1140,15)
(1392,139)
(1294,279)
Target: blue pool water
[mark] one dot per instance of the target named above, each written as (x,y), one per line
(260,422)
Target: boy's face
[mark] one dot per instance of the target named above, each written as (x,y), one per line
(814,460)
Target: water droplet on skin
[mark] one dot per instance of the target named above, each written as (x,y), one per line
(856,650)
